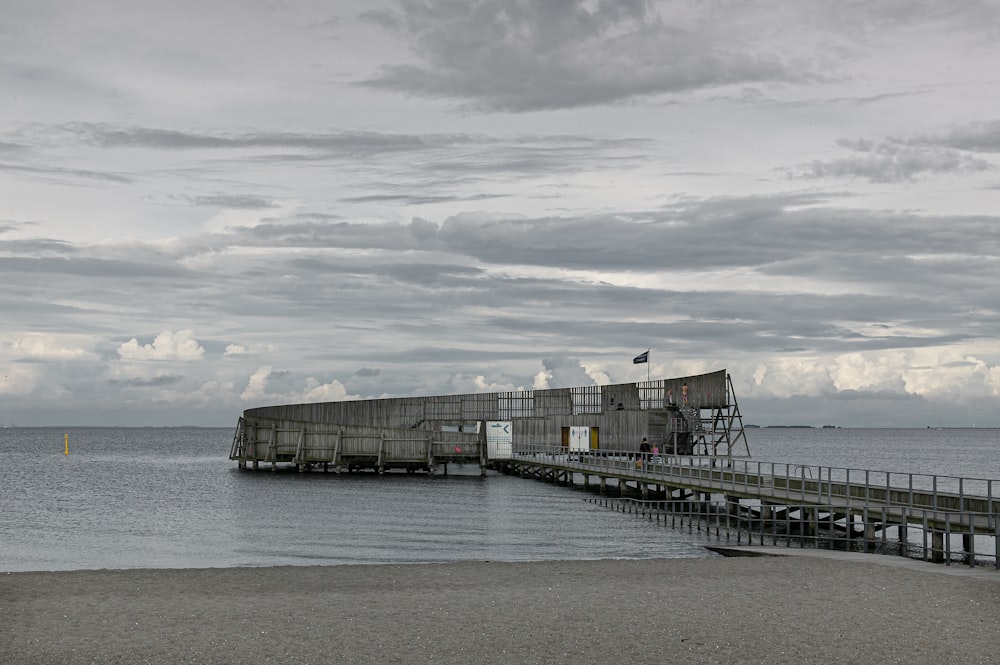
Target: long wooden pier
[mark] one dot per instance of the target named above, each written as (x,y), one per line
(591,435)
(941,518)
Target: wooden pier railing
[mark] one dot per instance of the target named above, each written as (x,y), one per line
(941,518)
(274,441)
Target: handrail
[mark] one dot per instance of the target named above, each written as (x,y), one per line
(919,534)
(897,489)
(834,500)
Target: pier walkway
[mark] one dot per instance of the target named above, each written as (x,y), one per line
(582,435)
(940,518)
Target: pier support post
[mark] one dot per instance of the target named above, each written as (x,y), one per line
(807,517)
(604,485)
(969,548)
(869,531)
(766,513)
(937,546)
(336,453)
(272,442)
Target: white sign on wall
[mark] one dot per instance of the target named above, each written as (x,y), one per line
(579,438)
(499,439)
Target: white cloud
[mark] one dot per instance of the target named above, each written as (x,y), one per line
(541,381)
(480,384)
(867,371)
(245,350)
(327,392)
(52,347)
(942,374)
(167,346)
(257,385)
(312,390)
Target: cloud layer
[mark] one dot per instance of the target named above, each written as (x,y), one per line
(225,206)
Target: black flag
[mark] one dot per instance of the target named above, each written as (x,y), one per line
(641,358)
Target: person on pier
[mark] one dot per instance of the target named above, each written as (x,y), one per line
(643,452)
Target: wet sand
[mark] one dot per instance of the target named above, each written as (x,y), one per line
(717,610)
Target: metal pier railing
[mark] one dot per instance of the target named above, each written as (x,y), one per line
(940,518)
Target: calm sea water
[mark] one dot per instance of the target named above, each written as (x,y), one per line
(170,498)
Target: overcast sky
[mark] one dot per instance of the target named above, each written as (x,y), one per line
(212,206)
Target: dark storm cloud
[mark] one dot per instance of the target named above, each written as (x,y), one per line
(528,56)
(526,156)
(772,236)
(84,290)
(903,159)
(33,246)
(893,161)
(348,142)
(91,267)
(152,382)
(859,281)
(57,173)
(453,353)
(577,314)
(448,278)
(445,276)
(245,202)
(416,199)
(724,321)
(451,157)
(229,185)
(763,233)
(976,137)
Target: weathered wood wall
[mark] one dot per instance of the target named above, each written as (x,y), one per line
(439,427)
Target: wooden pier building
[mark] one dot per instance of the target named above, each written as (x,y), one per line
(692,415)
(590,436)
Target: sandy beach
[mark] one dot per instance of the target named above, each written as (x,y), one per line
(772,609)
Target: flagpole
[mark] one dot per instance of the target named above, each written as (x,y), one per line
(647,365)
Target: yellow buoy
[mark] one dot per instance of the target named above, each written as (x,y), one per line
(66,436)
